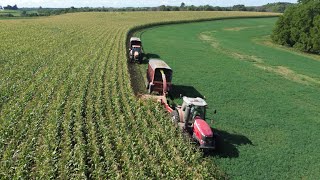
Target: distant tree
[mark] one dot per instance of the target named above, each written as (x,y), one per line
(163,8)
(7,7)
(191,8)
(208,8)
(299,27)
(183,5)
(175,8)
(15,7)
(239,7)
(23,13)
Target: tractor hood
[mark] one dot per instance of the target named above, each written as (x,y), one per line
(203,127)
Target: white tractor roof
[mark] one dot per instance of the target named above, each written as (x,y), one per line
(195,101)
(134,39)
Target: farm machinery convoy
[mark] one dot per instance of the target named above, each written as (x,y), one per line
(190,117)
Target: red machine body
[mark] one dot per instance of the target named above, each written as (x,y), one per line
(159,76)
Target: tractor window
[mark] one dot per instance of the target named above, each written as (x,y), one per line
(198,111)
(136,49)
(136,43)
(158,76)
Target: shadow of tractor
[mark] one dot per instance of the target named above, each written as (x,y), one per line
(188,91)
(148,56)
(227,144)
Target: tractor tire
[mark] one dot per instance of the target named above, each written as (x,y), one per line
(150,89)
(175,117)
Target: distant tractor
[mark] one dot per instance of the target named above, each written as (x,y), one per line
(159,76)
(135,50)
(190,117)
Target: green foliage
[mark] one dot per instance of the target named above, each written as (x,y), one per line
(267,98)
(67,108)
(275,7)
(299,27)
(239,7)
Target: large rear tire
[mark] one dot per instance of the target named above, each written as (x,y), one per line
(175,117)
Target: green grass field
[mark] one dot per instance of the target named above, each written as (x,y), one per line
(267,97)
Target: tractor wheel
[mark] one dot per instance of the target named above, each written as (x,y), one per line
(150,89)
(175,117)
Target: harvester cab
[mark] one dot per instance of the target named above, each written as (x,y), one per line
(190,117)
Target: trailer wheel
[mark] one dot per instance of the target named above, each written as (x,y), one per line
(175,116)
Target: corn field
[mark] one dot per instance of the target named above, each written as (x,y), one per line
(67,109)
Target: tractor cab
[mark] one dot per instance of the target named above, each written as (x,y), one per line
(134,41)
(193,108)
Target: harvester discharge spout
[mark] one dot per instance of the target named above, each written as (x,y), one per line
(164,82)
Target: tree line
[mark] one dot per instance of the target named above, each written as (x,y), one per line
(271,7)
(299,27)
(8,7)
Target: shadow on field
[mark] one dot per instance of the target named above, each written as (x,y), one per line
(152,56)
(227,144)
(148,56)
(188,91)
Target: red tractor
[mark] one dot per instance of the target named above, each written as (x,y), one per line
(159,76)
(190,117)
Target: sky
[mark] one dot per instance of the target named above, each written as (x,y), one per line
(132,3)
